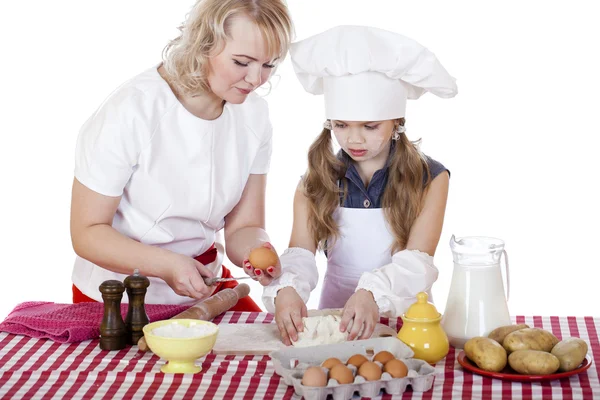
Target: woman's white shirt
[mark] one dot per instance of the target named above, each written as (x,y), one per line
(178,175)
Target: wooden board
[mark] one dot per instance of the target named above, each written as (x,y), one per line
(244,339)
(261,339)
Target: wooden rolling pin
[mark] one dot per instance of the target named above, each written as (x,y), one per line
(208,309)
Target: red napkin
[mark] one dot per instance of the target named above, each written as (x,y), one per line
(67,323)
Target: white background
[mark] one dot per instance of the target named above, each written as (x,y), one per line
(521,137)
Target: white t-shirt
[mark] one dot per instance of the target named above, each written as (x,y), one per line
(178,175)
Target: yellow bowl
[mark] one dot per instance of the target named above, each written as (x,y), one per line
(180,353)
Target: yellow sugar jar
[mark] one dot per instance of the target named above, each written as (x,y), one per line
(422,332)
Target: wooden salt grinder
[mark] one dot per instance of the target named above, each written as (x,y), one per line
(136,318)
(112,329)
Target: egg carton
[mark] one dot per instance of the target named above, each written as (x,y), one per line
(290,363)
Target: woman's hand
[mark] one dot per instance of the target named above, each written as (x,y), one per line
(289,310)
(184,276)
(362,308)
(264,277)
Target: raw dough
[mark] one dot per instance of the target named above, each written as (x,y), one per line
(322,329)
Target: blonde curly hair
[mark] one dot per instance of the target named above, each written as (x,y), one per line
(205,31)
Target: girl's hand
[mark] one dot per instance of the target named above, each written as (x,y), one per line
(362,308)
(289,310)
(184,276)
(264,277)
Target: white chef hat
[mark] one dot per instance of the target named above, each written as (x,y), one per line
(367,74)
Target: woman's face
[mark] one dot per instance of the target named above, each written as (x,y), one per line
(364,140)
(243,65)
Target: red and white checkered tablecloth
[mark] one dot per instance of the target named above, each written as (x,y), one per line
(42,369)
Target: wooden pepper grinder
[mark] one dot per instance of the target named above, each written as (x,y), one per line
(136,318)
(112,329)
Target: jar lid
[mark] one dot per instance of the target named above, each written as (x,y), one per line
(422,309)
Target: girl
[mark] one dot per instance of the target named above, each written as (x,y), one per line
(178,153)
(377,207)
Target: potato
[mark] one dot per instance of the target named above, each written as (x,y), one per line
(499,334)
(533,362)
(488,354)
(529,339)
(570,352)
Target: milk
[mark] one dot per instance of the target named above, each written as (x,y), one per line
(476,302)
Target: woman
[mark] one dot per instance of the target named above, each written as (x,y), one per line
(377,207)
(178,153)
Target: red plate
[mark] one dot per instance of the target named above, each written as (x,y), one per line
(509,374)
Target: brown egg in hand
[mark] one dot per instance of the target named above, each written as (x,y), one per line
(383,357)
(331,362)
(357,360)
(262,258)
(370,371)
(342,374)
(315,377)
(396,368)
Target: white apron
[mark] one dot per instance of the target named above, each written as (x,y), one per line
(364,244)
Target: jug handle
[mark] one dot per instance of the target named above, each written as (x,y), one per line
(507,274)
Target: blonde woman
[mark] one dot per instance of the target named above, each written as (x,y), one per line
(178,153)
(377,207)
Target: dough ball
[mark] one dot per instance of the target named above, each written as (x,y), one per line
(322,329)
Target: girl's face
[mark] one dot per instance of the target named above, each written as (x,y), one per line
(364,141)
(242,66)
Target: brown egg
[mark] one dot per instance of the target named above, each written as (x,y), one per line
(396,368)
(357,360)
(262,258)
(370,371)
(315,377)
(341,374)
(383,357)
(330,362)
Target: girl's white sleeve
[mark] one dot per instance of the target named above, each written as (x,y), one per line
(298,270)
(395,285)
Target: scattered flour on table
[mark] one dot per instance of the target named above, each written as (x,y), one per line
(323,329)
(175,330)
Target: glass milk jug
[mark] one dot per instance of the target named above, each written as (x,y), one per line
(476,301)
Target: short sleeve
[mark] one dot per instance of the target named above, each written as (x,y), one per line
(435,168)
(109,144)
(262,160)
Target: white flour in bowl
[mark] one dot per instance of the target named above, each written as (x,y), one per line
(175,330)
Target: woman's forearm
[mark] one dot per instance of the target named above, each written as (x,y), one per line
(241,242)
(109,249)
